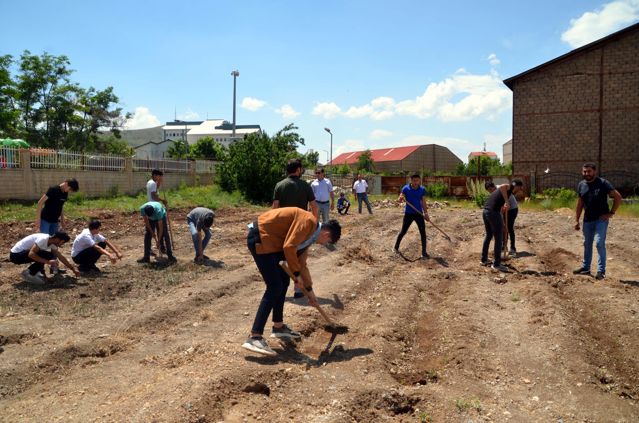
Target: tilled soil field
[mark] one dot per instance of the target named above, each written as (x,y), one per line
(441,340)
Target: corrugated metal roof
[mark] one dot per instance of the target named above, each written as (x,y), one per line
(483,153)
(379,155)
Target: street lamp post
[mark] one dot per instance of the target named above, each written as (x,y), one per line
(235,74)
(331,161)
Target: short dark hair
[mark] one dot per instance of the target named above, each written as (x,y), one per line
(73,184)
(62,236)
(149,210)
(320,169)
(516,183)
(157,172)
(95,224)
(293,165)
(590,165)
(416,175)
(334,228)
(489,184)
(208,221)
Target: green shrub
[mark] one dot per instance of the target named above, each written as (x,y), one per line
(437,190)
(563,194)
(477,191)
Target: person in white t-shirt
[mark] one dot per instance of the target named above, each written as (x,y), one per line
(323,190)
(153,194)
(40,250)
(360,189)
(89,245)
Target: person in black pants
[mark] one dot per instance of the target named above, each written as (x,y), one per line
(415,196)
(496,204)
(40,250)
(90,245)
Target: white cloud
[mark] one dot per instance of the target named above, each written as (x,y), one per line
(142,118)
(252,104)
(287,111)
(596,24)
(349,145)
(483,96)
(379,108)
(493,60)
(377,134)
(189,115)
(327,110)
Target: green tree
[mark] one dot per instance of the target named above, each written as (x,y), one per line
(8,113)
(178,150)
(207,148)
(256,163)
(310,159)
(365,162)
(343,169)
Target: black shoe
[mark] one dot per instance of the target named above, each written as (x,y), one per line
(485,263)
(205,257)
(425,256)
(581,271)
(599,276)
(285,332)
(144,260)
(172,259)
(298,295)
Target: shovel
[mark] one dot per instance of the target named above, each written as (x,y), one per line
(430,221)
(331,326)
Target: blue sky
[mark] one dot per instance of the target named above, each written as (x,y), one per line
(378,73)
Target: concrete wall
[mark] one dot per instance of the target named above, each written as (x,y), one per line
(26,183)
(563,112)
(507,152)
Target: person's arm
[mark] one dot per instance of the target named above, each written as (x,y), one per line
(425,208)
(33,255)
(105,252)
(199,242)
(64,261)
(579,209)
(115,249)
(616,202)
(314,208)
(41,202)
(504,192)
(147,224)
(61,225)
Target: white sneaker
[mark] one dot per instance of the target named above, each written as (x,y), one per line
(37,279)
(258,345)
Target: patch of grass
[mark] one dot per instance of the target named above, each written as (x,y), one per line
(463,404)
(549,204)
(424,417)
(79,206)
(514,297)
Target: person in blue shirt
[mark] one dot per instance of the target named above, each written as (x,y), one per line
(343,204)
(415,195)
(154,215)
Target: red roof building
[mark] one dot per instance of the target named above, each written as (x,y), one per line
(414,158)
(488,154)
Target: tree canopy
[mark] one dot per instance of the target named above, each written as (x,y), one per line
(40,103)
(365,162)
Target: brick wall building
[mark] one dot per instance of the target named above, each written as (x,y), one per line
(580,107)
(415,158)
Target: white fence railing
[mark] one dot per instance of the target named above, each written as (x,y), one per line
(52,159)
(9,157)
(44,158)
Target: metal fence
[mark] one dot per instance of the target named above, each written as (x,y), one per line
(205,166)
(9,157)
(176,166)
(51,159)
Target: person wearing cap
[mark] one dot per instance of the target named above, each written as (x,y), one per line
(199,221)
(153,214)
(40,250)
(283,234)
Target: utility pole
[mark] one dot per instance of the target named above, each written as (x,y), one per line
(235,74)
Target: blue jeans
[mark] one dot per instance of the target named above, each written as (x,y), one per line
(196,244)
(595,231)
(48,227)
(363,197)
(324,209)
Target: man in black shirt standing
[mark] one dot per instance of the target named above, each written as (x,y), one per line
(593,194)
(496,204)
(49,216)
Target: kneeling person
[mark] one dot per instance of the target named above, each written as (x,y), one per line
(89,245)
(200,220)
(40,250)
(277,235)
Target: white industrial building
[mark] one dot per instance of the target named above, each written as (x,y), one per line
(218,129)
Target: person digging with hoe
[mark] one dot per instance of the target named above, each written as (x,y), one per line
(497,204)
(415,196)
(278,235)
